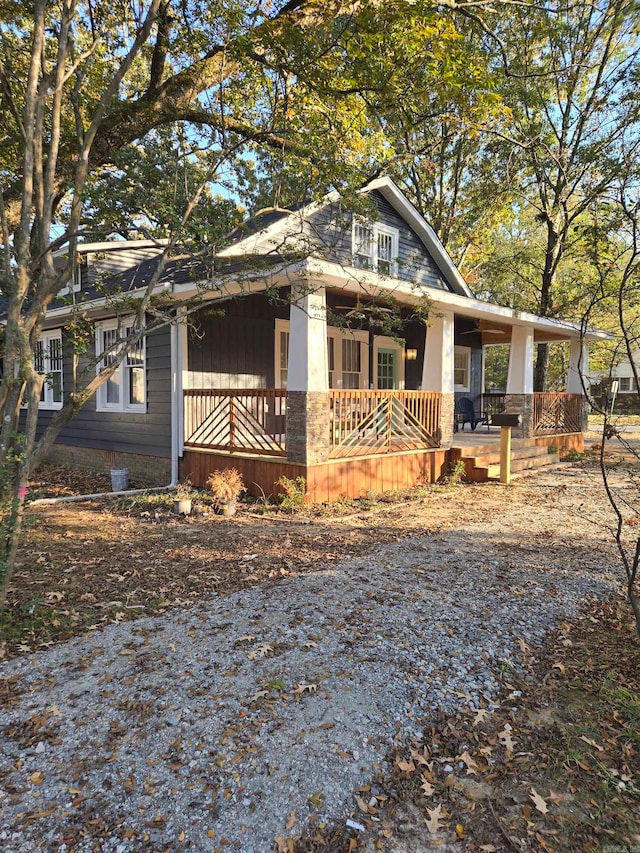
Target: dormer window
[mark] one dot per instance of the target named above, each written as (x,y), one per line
(81,264)
(375,247)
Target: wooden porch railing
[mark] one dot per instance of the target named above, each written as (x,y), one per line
(251,421)
(555,413)
(367,422)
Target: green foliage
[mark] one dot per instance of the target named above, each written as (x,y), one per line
(293,495)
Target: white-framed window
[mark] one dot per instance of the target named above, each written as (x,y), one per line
(347,357)
(625,384)
(126,389)
(461,368)
(77,278)
(47,359)
(375,247)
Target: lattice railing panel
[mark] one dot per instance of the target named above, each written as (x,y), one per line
(370,422)
(556,414)
(252,421)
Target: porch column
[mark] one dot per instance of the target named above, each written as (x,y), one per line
(437,370)
(308,378)
(519,396)
(579,367)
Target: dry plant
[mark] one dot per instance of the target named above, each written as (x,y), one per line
(225,485)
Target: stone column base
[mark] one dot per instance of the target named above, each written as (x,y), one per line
(447,408)
(308,427)
(521,404)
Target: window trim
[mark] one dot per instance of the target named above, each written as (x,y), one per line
(337,335)
(466,351)
(377,229)
(47,403)
(122,405)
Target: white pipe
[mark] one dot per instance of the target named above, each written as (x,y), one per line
(176,389)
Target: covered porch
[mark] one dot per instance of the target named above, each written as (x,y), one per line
(346,441)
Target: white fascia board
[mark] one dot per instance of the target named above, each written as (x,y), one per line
(118,245)
(332,274)
(225,288)
(425,232)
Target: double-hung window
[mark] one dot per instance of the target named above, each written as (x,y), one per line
(125,390)
(461,368)
(47,360)
(375,247)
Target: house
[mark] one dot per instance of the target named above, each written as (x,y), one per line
(300,373)
(627,397)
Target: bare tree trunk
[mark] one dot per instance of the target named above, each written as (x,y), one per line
(15,512)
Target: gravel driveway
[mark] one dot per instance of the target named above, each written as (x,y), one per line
(259,714)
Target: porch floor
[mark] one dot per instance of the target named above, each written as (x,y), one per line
(479,437)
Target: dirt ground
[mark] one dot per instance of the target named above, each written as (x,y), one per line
(554,768)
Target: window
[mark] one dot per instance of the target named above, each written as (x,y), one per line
(47,359)
(347,363)
(627,385)
(375,247)
(350,363)
(461,368)
(79,273)
(125,390)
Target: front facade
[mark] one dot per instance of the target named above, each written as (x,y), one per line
(320,365)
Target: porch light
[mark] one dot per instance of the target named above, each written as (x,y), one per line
(411,354)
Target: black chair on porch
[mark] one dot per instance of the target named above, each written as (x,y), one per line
(465,413)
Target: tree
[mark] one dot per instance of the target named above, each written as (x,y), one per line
(615,254)
(570,74)
(93,93)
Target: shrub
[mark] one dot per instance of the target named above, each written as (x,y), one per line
(226,485)
(294,493)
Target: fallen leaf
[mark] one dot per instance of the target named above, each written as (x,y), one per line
(37,778)
(405,766)
(291,820)
(538,801)
(427,788)
(506,740)
(481,716)
(434,824)
(260,651)
(302,688)
(592,743)
(472,767)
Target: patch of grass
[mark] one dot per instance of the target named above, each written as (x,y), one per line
(572,456)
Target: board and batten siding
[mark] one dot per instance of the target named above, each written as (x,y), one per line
(234,350)
(148,434)
(415,264)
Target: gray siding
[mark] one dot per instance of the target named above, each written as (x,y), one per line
(148,434)
(235,350)
(415,264)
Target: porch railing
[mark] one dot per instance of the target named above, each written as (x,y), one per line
(367,422)
(555,413)
(493,404)
(251,421)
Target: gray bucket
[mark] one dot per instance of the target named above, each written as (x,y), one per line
(119,479)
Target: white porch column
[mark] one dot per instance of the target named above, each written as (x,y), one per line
(519,396)
(578,364)
(520,376)
(437,366)
(308,367)
(308,378)
(437,370)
